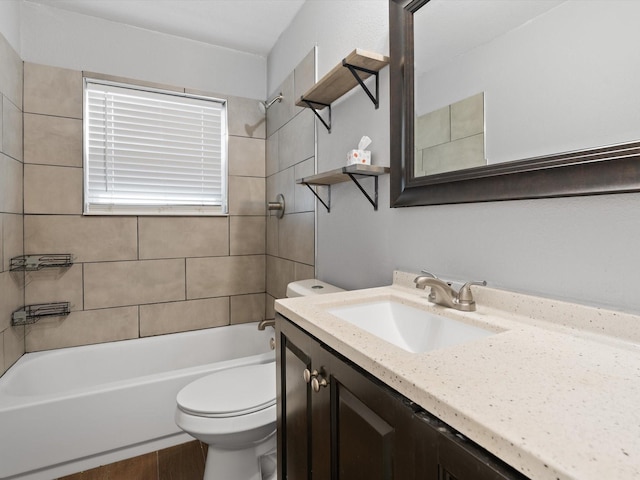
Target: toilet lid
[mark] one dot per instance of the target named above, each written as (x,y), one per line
(231,392)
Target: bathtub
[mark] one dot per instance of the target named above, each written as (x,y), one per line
(67,410)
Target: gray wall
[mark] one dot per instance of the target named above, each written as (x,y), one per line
(583,249)
(56,37)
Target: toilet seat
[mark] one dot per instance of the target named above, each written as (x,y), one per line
(230,393)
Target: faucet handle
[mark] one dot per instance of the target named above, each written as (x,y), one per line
(465,297)
(428,274)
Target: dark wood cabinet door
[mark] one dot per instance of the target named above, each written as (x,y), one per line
(370,428)
(304,414)
(460,459)
(294,410)
(444,454)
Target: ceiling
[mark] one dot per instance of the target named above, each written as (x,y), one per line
(251,26)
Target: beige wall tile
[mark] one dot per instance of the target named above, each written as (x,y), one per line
(247,235)
(464,153)
(83,328)
(245,118)
(10,73)
(297,140)
(303,271)
(272,155)
(11,171)
(161,318)
(433,128)
(282,182)
(11,296)
(279,273)
(2,367)
(247,308)
(467,117)
(418,165)
(296,237)
(89,239)
(14,345)
(173,237)
(247,196)
(2,241)
(12,238)
(272,235)
(1,122)
(246,156)
(52,140)
(113,284)
(55,285)
(281,112)
(52,190)
(223,276)
(11,130)
(270,308)
(304,198)
(52,90)
(304,75)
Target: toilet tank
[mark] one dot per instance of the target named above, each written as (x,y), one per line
(303,288)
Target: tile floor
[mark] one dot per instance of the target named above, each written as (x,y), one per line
(181,462)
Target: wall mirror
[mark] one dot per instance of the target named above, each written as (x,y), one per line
(555,82)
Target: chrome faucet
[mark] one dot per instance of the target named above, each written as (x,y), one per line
(266,323)
(442,293)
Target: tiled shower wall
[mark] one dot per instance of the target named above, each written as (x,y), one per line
(11,170)
(290,155)
(135,276)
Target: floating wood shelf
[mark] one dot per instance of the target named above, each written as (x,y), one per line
(354,69)
(345,174)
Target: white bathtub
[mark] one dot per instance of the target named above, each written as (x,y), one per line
(67,410)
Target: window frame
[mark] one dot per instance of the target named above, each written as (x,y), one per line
(93,208)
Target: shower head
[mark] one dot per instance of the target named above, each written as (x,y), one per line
(264,106)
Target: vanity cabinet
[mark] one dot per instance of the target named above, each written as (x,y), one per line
(339,425)
(336,422)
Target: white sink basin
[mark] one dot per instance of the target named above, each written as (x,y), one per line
(409,328)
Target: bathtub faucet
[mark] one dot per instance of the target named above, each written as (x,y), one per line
(266,323)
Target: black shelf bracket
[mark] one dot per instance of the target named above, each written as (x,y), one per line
(312,105)
(326,204)
(354,69)
(373,201)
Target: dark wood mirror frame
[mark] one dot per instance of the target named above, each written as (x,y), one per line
(612,169)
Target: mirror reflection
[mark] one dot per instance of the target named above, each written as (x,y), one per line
(499,81)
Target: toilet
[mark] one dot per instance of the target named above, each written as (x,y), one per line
(233,411)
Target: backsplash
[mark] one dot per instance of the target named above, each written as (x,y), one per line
(136,276)
(11,171)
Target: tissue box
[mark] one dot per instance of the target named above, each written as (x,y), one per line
(363,157)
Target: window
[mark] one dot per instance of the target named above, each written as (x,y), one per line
(153,152)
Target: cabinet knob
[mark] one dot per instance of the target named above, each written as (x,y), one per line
(318,382)
(308,375)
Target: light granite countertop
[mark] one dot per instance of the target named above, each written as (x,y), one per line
(555,392)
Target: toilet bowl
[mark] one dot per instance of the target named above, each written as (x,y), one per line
(233,411)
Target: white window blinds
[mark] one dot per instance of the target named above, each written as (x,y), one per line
(152,152)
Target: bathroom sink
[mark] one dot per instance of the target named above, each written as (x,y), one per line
(409,328)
